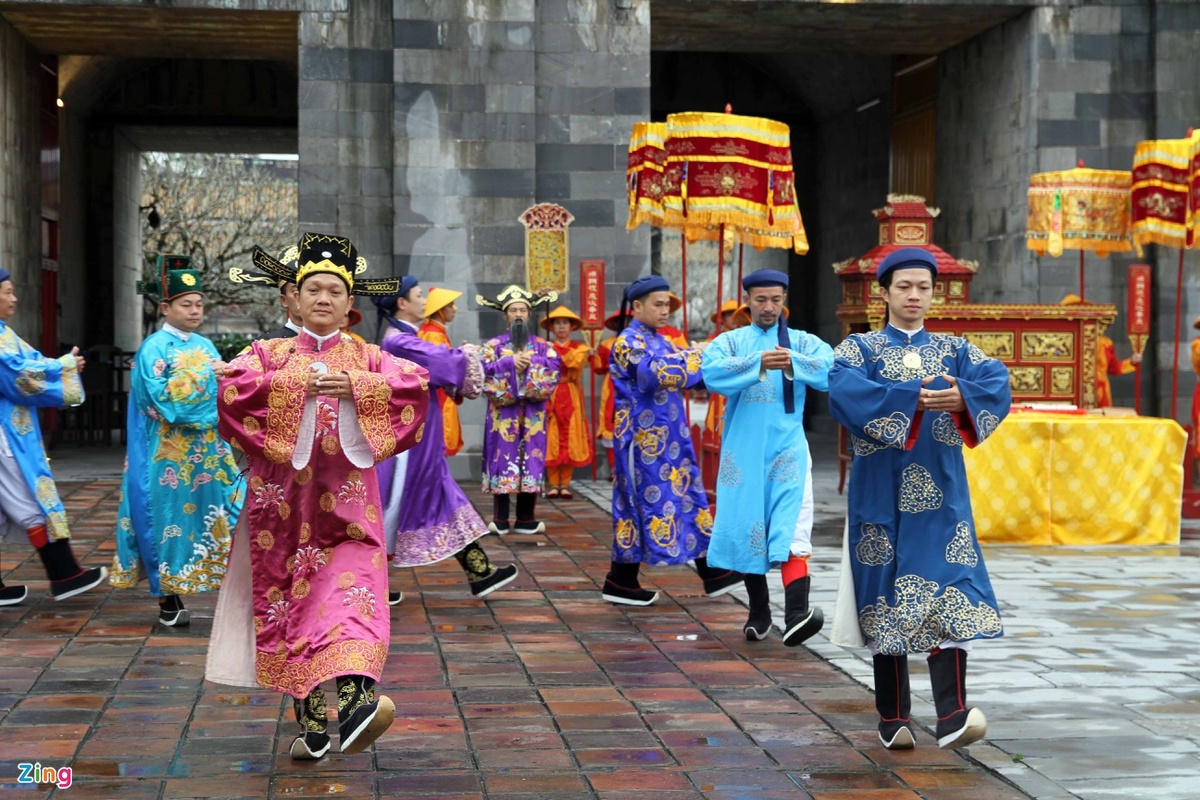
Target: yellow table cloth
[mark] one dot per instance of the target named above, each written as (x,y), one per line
(1048,479)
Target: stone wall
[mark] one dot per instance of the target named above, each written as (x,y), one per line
(20,181)
(1057,85)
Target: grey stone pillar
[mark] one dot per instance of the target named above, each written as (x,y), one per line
(20,179)
(345,108)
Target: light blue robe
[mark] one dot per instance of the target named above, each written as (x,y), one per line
(182,494)
(659,509)
(29,381)
(764,452)
(919,576)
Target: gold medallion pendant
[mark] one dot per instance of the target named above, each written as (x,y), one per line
(911,360)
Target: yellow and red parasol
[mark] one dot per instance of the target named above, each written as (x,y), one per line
(1079,209)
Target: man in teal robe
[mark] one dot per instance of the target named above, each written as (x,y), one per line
(764,486)
(28,497)
(181,494)
(911,400)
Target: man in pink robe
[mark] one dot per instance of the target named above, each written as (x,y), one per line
(313,415)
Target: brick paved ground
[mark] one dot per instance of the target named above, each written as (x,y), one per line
(542,692)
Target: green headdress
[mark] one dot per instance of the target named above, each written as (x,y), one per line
(175,279)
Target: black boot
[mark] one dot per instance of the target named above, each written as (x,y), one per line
(11,595)
(799,621)
(483,576)
(958,725)
(893,701)
(499,524)
(717,581)
(67,578)
(172,613)
(526,508)
(621,586)
(313,741)
(361,718)
(759,623)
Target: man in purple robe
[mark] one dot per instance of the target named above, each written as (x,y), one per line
(520,374)
(426,516)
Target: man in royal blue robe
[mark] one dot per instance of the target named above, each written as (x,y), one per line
(911,399)
(659,508)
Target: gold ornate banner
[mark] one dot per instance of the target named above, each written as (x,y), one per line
(546,248)
(644,175)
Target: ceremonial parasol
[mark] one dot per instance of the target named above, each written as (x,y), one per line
(1079,209)
(1165,194)
(715,177)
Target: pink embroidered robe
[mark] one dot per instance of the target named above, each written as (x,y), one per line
(308,552)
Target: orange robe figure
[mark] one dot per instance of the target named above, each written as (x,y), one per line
(569,443)
(1107,364)
(604,425)
(435,333)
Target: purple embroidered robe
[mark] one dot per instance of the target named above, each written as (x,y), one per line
(514,437)
(426,514)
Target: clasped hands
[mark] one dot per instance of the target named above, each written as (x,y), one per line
(334,385)
(779,358)
(522,360)
(941,399)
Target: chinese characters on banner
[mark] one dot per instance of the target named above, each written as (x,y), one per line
(1138,316)
(591,282)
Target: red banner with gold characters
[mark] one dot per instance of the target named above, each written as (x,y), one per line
(1138,306)
(591,287)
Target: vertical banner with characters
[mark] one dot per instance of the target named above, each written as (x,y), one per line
(591,300)
(1138,319)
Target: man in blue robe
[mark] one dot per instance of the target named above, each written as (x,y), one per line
(180,497)
(764,486)
(659,509)
(28,497)
(910,400)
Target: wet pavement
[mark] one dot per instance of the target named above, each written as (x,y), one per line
(542,691)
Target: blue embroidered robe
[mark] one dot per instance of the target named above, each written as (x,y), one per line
(29,381)
(764,452)
(919,576)
(659,509)
(181,494)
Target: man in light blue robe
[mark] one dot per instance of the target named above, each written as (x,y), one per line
(659,508)
(911,399)
(28,497)
(764,486)
(181,494)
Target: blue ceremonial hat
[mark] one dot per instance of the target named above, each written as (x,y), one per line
(4,276)
(765,277)
(644,286)
(407,284)
(907,258)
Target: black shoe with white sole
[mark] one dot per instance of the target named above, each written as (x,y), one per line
(800,622)
(394,598)
(500,528)
(11,595)
(758,625)
(78,584)
(896,734)
(958,724)
(529,526)
(172,613)
(500,577)
(310,746)
(365,725)
(628,596)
